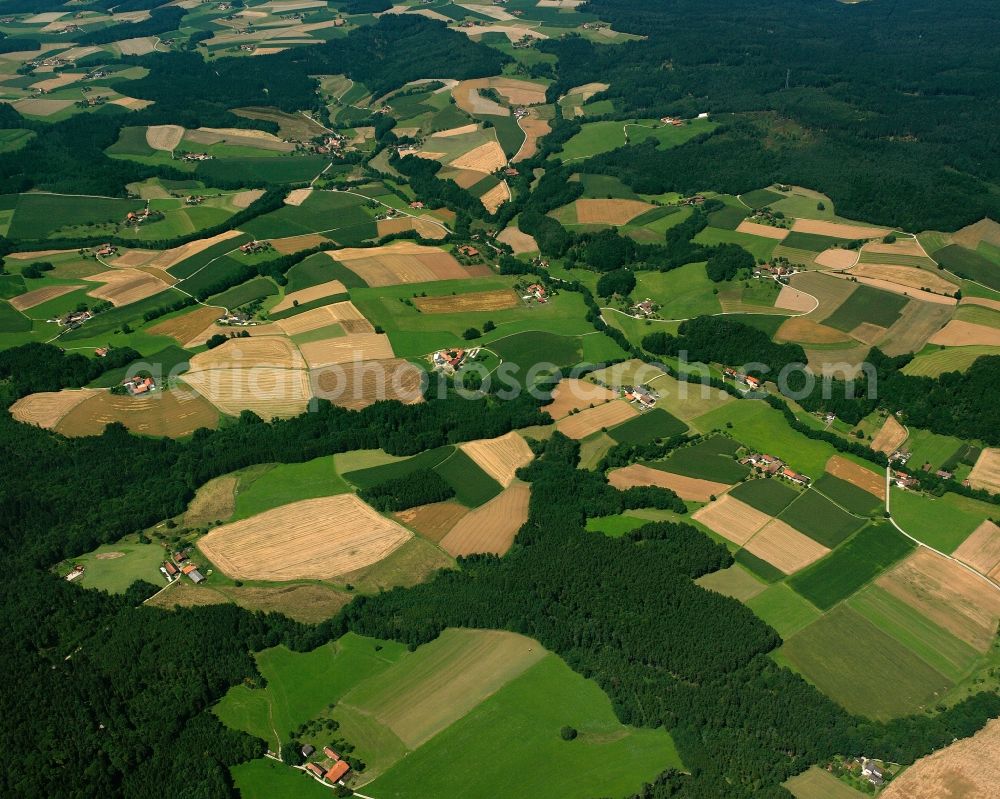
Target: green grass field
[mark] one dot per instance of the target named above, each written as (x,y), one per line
(932,448)
(40,216)
(681,293)
(710,459)
(288,482)
(255,289)
(600,137)
(947,359)
(189,266)
(864,669)
(728,218)
(369,476)
(940,522)
(783,609)
(758,246)
(867,304)
(472,485)
(528,348)
(761,568)
(735,581)
(286,169)
(935,645)
(968,264)
(760,198)
(851,566)
(654,424)
(816,783)
(321,211)
(13,321)
(321,268)
(615,526)
(811,241)
(821,520)
(268,779)
(768,495)
(510,746)
(847,495)
(114,567)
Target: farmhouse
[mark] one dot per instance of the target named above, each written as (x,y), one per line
(170,569)
(337,771)
(642,396)
(75,318)
(795,477)
(644,308)
(449,360)
(903,480)
(315,770)
(748,380)
(254,246)
(766,463)
(106,249)
(331,754)
(194,199)
(139,385)
(872,771)
(192,572)
(196,157)
(468,251)
(672,121)
(76,573)
(307,750)
(416,204)
(536,291)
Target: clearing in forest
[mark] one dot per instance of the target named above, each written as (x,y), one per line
(492,526)
(499,457)
(609,212)
(312,539)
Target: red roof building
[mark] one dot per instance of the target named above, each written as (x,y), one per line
(330,753)
(337,771)
(315,770)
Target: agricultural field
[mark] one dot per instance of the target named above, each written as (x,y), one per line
(688,488)
(709,459)
(769,496)
(600,137)
(735,581)
(114,567)
(782,608)
(817,783)
(285,483)
(941,522)
(652,425)
(815,515)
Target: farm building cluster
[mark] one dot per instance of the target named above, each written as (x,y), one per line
(332,769)
(642,397)
(751,382)
(73,319)
(255,246)
(450,361)
(771,465)
(180,564)
(138,385)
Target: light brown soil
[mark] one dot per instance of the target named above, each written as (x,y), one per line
(898,247)
(184,328)
(790,299)
(290,244)
(497,300)
(971,236)
(426,228)
(459,131)
(46,408)
(572,394)
(857,475)
(688,488)
(125,286)
(303,296)
(981,550)
(830,291)
(298,196)
(171,413)
(534,129)
(733,520)
(347,349)
(609,212)
(362,384)
(499,457)
(164,137)
(867,333)
(785,547)
(487,157)
(983,301)
(333,314)
(837,258)
(958,333)
(405,263)
(947,594)
(38,296)
(267,391)
(764,231)
(519,242)
(916,324)
(897,288)
(267,351)
(215,501)
(590,420)
(805,331)
(311,539)
(244,199)
(838,229)
(986,472)
(434,521)
(495,197)
(169,258)
(239,137)
(490,527)
(889,437)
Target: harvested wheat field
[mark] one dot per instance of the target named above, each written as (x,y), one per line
(499,457)
(981,550)
(404,262)
(239,137)
(164,137)
(764,231)
(46,408)
(609,212)
(347,349)
(143,45)
(534,129)
(301,297)
(890,436)
(805,331)
(266,351)
(313,539)
(125,286)
(898,247)
(290,244)
(948,594)
(459,131)
(838,230)
(137,258)
(215,501)
(867,333)
(337,313)
(982,301)
(973,235)
(183,329)
(518,92)
(826,288)
(908,276)
(425,227)
(40,107)
(572,394)
(267,391)
(785,547)
(38,296)
(495,197)
(958,333)
(916,324)
(590,420)
(488,157)
(298,196)
(733,520)
(790,299)
(173,413)
(689,488)
(244,199)
(468,98)
(490,527)
(857,475)
(967,769)
(518,241)
(169,258)
(361,384)
(433,521)
(986,472)
(497,300)
(837,258)
(465,178)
